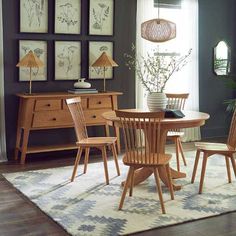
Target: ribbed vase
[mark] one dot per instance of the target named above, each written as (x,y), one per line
(156,101)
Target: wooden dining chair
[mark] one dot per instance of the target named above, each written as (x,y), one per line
(225,149)
(143,128)
(177,101)
(85,143)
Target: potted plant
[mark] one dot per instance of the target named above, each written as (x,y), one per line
(230,82)
(154,70)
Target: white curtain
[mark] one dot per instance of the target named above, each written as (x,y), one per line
(185,81)
(2,117)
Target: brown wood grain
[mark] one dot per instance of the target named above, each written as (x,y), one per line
(41,111)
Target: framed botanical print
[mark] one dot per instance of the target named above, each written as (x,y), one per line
(101,17)
(34,16)
(96,48)
(39,48)
(67,60)
(67,16)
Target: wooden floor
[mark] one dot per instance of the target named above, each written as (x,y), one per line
(18,216)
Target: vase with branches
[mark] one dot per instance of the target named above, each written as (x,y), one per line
(154,71)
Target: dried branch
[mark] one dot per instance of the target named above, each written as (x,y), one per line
(155,69)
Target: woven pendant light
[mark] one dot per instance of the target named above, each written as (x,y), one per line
(158,30)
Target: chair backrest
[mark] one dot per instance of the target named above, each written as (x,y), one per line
(176,100)
(141,128)
(232,132)
(74,105)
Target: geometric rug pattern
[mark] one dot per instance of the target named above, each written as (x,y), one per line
(89,207)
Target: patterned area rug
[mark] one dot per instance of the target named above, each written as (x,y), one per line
(89,207)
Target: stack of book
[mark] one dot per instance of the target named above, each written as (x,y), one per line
(82,90)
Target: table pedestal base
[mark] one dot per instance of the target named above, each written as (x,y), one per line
(143,173)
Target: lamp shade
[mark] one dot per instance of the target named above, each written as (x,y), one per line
(104,61)
(158,30)
(30,60)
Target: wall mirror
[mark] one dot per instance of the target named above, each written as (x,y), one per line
(222,58)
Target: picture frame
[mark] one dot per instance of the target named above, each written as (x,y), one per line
(33,16)
(67,60)
(67,17)
(40,50)
(96,48)
(101,17)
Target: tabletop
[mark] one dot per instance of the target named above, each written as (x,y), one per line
(191,119)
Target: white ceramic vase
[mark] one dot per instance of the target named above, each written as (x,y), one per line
(82,84)
(156,101)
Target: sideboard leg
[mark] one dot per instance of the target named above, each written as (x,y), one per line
(18,138)
(24,146)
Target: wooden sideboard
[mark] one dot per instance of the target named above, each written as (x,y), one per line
(49,111)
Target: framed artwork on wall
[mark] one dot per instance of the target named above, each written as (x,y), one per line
(101,17)
(39,48)
(67,16)
(96,48)
(67,60)
(34,16)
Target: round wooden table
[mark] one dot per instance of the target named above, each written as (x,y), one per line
(191,119)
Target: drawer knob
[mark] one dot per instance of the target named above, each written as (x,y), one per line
(54,118)
(94,116)
(99,102)
(48,104)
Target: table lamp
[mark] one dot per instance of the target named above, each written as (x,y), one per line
(30,60)
(104,61)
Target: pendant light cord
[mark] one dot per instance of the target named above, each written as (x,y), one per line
(158,9)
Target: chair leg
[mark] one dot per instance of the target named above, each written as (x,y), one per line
(127,182)
(204,162)
(104,157)
(177,154)
(156,174)
(181,151)
(170,185)
(228,168)
(86,159)
(113,147)
(131,182)
(233,164)
(79,153)
(107,133)
(195,166)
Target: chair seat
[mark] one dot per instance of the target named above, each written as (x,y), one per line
(214,147)
(97,141)
(174,134)
(159,159)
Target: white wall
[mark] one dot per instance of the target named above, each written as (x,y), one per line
(2,112)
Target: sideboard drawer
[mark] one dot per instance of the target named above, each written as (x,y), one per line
(52,119)
(48,105)
(94,116)
(100,102)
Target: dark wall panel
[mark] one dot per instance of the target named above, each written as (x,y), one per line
(216,22)
(124,36)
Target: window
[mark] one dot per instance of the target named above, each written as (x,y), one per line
(185,14)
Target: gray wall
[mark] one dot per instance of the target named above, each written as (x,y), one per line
(124,36)
(216,22)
